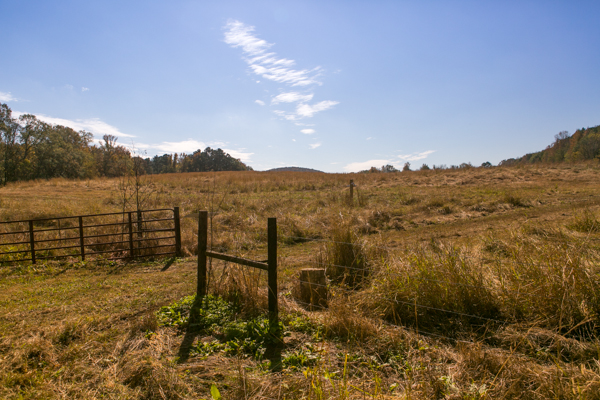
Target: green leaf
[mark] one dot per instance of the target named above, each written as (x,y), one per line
(214,392)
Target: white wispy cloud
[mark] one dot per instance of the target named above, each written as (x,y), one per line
(307,131)
(93,125)
(314,145)
(397,163)
(307,111)
(84,89)
(240,153)
(259,102)
(268,65)
(361,166)
(190,145)
(416,156)
(184,146)
(291,97)
(286,115)
(263,63)
(369,138)
(7,97)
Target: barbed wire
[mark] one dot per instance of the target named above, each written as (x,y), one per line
(460,257)
(310,305)
(412,304)
(416,330)
(337,266)
(418,278)
(305,239)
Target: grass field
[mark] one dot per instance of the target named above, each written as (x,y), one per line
(459,284)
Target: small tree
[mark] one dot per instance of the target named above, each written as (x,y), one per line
(406,167)
(134,186)
(425,167)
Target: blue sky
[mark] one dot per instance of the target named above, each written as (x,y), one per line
(333,85)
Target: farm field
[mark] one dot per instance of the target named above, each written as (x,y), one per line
(474,283)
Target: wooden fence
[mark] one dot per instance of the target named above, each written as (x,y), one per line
(123,235)
(270,265)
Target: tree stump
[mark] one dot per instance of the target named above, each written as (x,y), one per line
(313,288)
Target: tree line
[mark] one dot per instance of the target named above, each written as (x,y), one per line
(33,149)
(583,145)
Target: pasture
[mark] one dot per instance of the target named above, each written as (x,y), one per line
(474,283)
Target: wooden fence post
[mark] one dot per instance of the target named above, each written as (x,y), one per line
(272,263)
(177,231)
(81,239)
(32,241)
(130,224)
(351,189)
(202,243)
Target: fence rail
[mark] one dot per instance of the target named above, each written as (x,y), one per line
(270,265)
(124,235)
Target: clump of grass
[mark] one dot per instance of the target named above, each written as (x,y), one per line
(292,232)
(346,323)
(345,257)
(408,199)
(585,222)
(379,218)
(145,374)
(242,286)
(435,203)
(555,282)
(514,200)
(445,210)
(416,289)
(496,247)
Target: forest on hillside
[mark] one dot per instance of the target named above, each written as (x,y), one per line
(583,145)
(33,149)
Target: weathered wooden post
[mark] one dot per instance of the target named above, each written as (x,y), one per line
(31,241)
(177,231)
(130,227)
(82,248)
(202,244)
(351,189)
(272,272)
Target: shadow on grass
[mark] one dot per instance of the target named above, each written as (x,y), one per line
(273,354)
(168,264)
(191,331)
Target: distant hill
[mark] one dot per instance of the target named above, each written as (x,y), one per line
(583,145)
(293,169)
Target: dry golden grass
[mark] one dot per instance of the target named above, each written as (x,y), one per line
(518,246)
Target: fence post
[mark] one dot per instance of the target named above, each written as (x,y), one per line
(32,241)
(81,238)
(272,263)
(202,243)
(177,231)
(130,224)
(351,189)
